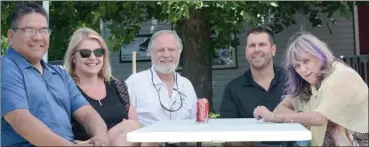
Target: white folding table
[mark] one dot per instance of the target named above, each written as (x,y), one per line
(219,130)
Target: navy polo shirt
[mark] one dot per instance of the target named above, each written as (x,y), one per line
(242,95)
(51,97)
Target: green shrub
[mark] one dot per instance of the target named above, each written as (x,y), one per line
(4,44)
(213,115)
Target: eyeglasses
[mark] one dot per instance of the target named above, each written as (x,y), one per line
(33,31)
(85,53)
(171,109)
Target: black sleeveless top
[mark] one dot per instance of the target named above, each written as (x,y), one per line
(113,108)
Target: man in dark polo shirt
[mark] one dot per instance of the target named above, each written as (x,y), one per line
(261,84)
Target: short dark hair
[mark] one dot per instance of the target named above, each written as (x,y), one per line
(262,29)
(25,8)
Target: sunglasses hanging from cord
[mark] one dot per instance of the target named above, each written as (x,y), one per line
(158,91)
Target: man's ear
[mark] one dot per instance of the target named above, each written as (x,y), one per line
(10,36)
(274,49)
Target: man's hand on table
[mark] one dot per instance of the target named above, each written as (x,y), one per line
(101,140)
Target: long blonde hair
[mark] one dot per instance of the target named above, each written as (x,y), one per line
(78,36)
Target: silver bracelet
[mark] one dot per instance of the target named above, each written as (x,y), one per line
(274,117)
(291,121)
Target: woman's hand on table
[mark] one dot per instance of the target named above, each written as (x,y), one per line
(261,112)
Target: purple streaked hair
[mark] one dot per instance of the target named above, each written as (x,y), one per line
(299,44)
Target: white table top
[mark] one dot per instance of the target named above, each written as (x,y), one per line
(219,130)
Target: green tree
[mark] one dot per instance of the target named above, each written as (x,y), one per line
(6,7)
(203,25)
(64,17)
(4,44)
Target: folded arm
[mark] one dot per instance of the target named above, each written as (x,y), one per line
(304,118)
(132,114)
(286,106)
(26,125)
(284,112)
(15,111)
(90,120)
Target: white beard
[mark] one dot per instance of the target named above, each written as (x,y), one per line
(165,69)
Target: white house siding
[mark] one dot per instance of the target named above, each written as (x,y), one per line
(341,42)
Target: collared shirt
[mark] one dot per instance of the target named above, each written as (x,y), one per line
(242,95)
(51,97)
(143,89)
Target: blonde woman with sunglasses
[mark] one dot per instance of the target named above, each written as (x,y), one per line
(87,61)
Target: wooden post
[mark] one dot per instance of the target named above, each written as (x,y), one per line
(133,62)
(45,5)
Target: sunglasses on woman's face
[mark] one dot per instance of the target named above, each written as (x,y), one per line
(85,53)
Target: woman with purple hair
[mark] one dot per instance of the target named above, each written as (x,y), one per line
(323,94)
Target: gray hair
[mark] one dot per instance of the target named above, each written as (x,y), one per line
(299,44)
(153,37)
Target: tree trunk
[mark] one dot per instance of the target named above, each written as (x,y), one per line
(197,65)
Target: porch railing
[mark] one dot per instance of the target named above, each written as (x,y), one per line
(360,63)
(56,62)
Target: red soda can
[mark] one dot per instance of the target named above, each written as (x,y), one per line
(202,113)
